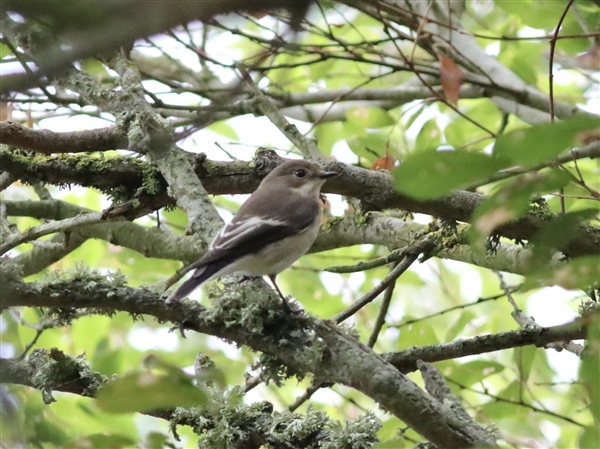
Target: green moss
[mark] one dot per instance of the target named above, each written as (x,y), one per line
(228,423)
(590,307)
(152,183)
(54,369)
(81,278)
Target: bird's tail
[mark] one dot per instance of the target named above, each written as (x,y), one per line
(200,276)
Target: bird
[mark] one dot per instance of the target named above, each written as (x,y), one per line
(271,230)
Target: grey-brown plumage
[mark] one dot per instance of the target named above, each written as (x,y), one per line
(273,228)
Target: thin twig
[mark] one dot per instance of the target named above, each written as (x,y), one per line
(394,256)
(385,305)
(51,228)
(527,322)
(385,283)
(308,147)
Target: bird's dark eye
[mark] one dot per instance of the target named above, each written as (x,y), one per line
(300,173)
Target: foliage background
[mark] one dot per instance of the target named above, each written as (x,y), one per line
(460,102)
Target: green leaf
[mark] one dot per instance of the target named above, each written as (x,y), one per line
(461,132)
(370,146)
(224,129)
(112,441)
(555,235)
(579,273)
(4,51)
(106,360)
(465,318)
(392,444)
(94,67)
(143,391)
(523,59)
(328,134)
(511,202)
(524,357)
(429,137)
(365,117)
(420,333)
(589,370)
(430,175)
(469,373)
(497,410)
(156,440)
(590,438)
(534,13)
(541,143)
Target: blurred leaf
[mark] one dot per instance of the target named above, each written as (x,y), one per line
(431,175)
(369,117)
(579,273)
(511,202)
(392,444)
(293,79)
(156,440)
(523,58)
(589,370)
(555,235)
(524,357)
(429,137)
(112,441)
(465,318)
(534,13)
(590,438)
(370,146)
(497,410)
(421,333)
(541,143)
(4,51)
(328,134)
(452,77)
(322,69)
(107,360)
(469,373)
(460,132)
(44,431)
(224,129)
(94,67)
(143,391)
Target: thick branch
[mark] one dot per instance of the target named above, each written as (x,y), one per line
(375,228)
(296,341)
(47,142)
(374,188)
(151,242)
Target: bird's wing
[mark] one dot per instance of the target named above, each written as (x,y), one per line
(242,237)
(247,234)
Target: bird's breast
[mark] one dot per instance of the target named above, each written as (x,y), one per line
(277,256)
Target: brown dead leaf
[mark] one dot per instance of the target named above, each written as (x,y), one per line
(452,77)
(386,162)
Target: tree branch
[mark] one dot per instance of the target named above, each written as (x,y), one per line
(296,341)
(47,142)
(375,189)
(405,361)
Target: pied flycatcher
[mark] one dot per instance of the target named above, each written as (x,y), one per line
(273,228)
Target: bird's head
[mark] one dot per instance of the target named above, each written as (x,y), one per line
(302,176)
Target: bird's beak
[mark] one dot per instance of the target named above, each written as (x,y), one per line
(328,174)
